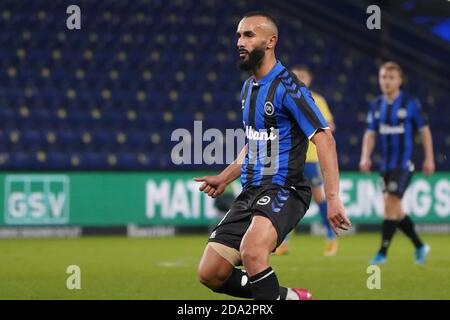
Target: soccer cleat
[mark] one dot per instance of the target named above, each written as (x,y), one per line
(303,294)
(378,259)
(282,249)
(421,253)
(331,248)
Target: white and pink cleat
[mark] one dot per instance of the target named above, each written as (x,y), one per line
(302,294)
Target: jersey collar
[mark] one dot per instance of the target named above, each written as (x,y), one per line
(396,100)
(271,75)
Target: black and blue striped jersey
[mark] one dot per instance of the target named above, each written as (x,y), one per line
(396,124)
(279,116)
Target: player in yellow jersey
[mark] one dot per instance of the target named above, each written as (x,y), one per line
(312,169)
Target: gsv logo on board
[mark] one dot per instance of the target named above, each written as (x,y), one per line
(36,199)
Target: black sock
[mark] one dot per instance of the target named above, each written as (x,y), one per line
(265,285)
(387,231)
(407,226)
(238,285)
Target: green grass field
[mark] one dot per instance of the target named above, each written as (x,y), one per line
(165,268)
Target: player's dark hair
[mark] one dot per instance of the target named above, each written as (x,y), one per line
(302,67)
(262,14)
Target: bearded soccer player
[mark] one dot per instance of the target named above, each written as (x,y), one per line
(312,168)
(279,116)
(396,117)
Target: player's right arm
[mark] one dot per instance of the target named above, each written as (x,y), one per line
(420,120)
(214,186)
(368,143)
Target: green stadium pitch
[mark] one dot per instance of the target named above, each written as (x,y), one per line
(165,268)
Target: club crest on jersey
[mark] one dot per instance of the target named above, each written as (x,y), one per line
(401,113)
(263,201)
(269,108)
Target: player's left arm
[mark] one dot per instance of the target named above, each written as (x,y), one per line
(326,152)
(421,121)
(325,110)
(311,121)
(428,166)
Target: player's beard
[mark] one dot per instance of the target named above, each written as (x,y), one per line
(254,59)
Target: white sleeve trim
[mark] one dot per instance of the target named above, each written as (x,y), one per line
(312,134)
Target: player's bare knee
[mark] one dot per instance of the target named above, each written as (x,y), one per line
(388,212)
(212,275)
(392,207)
(210,278)
(205,273)
(249,256)
(207,280)
(253,258)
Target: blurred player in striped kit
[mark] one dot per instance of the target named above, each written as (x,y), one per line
(396,117)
